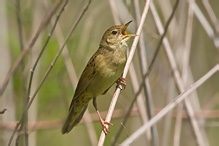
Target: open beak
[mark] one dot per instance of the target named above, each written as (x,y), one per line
(123,32)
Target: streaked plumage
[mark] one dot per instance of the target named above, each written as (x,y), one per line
(101,72)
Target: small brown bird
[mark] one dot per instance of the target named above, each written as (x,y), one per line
(103,69)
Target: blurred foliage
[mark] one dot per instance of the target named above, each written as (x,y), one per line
(55,95)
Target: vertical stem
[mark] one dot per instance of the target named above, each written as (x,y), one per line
(171,105)
(147,88)
(128,63)
(25,99)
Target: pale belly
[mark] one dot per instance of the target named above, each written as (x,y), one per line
(108,70)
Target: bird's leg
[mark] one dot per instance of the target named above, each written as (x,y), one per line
(105,129)
(121,81)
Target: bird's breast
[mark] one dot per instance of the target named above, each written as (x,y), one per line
(108,68)
(114,62)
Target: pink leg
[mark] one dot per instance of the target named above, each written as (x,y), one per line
(105,129)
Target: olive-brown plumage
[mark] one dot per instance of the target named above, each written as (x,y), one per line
(102,71)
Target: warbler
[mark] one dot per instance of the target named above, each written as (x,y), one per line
(103,69)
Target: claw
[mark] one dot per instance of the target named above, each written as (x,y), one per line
(108,123)
(122,81)
(105,129)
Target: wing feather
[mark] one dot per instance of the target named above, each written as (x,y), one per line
(87,76)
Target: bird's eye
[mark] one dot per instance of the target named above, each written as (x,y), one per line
(114,32)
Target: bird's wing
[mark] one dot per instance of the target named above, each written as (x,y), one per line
(87,76)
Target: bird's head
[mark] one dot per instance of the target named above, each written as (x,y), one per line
(116,35)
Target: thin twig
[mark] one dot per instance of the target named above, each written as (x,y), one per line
(170,106)
(185,64)
(34,52)
(132,70)
(211,14)
(176,44)
(167,124)
(207,27)
(29,45)
(117,92)
(54,61)
(73,79)
(58,53)
(140,101)
(176,75)
(52,64)
(147,88)
(162,37)
(6,100)
(23,119)
(53,124)
(25,99)
(43,49)
(132,75)
(148,71)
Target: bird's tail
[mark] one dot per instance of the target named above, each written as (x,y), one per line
(76,112)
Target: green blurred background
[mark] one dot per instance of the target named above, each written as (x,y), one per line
(50,107)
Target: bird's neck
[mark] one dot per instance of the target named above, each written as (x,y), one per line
(122,46)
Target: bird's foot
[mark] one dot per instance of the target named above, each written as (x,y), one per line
(105,129)
(121,81)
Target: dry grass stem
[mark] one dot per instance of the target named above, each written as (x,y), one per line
(117,92)
(52,64)
(25,99)
(29,45)
(134,79)
(207,27)
(186,54)
(211,14)
(147,88)
(149,70)
(171,105)
(54,124)
(176,75)
(73,79)
(23,119)
(171,97)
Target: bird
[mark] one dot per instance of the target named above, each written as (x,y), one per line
(103,69)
